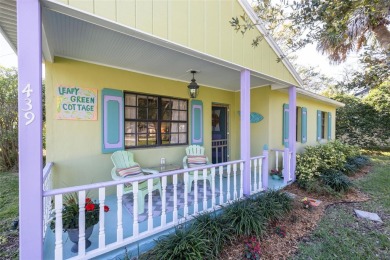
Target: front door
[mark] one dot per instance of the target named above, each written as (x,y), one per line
(220,134)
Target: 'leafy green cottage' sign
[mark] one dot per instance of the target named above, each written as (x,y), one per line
(75,103)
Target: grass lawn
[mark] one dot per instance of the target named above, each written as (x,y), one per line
(9,205)
(341,235)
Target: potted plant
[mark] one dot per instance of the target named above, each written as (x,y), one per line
(277,174)
(70,219)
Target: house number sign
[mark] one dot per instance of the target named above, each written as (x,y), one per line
(28,115)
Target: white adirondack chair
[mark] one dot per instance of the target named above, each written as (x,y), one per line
(195,150)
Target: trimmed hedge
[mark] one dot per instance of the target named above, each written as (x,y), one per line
(323,168)
(317,159)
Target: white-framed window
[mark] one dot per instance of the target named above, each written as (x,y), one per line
(152,120)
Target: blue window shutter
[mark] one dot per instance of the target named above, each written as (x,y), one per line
(319,128)
(196,122)
(285,124)
(329,125)
(112,120)
(304,125)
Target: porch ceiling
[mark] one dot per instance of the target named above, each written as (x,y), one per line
(81,40)
(74,34)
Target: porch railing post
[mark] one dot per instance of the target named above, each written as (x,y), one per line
(245,129)
(292,95)
(265,168)
(30,128)
(286,166)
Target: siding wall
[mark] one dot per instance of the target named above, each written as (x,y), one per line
(75,146)
(202,25)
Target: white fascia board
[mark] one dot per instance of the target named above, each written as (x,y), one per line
(319,97)
(277,86)
(251,14)
(141,35)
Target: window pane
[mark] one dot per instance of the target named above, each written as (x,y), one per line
(152,128)
(165,130)
(142,101)
(175,115)
(130,113)
(174,127)
(183,105)
(129,127)
(182,127)
(166,103)
(166,139)
(152,140)
(175,104)
(182,138)
(142,140)
(183,115)
(142,127)
(130,140)
(152,102)
(166,114)
(142,113)
(152,114)
(130,100)
(174,138)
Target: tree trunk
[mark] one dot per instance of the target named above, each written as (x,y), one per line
(382,34)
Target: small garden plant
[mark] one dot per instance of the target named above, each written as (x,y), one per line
(252,248)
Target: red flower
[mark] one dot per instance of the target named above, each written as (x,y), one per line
(106,208)
(88,200)
(90,207)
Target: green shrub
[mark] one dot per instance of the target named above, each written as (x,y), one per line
(316,159)
(215,230)
(317,187)
(349,151)
(273,205)
(350,168)
(361,161)
(183,244)
(355,163)
(245,218)
(336,180)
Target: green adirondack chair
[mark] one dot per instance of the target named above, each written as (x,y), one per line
(195,150)
(125,159)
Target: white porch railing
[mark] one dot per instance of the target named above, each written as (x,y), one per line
(259,173)
(47,203)
(285,164)
(226,186)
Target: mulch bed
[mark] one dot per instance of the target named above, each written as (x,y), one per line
(298,224)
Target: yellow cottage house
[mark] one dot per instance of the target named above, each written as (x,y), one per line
(166,84)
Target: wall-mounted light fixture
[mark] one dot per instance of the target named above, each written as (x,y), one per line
(193,87)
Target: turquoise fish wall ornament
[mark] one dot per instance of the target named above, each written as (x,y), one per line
(254,117)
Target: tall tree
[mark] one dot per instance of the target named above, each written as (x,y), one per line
(8,118)
(336,26)
(375,71)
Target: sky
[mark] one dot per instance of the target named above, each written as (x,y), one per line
(7,55)
(309,56)
(306,56)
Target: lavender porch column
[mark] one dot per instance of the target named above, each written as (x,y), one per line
(245,129)
(30,128)
(292,95)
